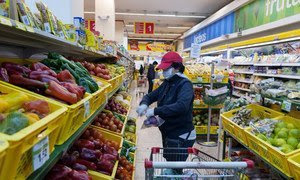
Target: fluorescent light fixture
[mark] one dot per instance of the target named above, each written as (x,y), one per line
(88,12)
(154,39)
(158,34)
(129,25)
(160,15)
(178,27)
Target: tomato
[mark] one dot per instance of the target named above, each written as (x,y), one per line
(105,122)
(97,70)
(97,124)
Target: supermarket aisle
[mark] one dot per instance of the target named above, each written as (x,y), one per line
(147,138)
(150,137)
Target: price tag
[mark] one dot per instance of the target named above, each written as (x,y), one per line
(86,108)
(5,21)
(20,26)
(47,27)
(30,29)
(199,79)
(25,20)
(40,153)
(286,106)
(257,97)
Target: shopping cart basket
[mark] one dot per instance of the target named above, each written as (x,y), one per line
(198,165)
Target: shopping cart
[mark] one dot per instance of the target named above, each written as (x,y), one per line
(198,165)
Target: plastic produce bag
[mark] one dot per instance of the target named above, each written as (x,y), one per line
(153,121)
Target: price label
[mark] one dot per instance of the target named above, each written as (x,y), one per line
(47,27)
(86,108)
(20,26)
(257,97)
(5,21)
(286,106)
(25,20)
(30,29)
(200,79)
(40,153)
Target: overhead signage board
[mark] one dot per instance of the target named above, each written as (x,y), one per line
(143,28)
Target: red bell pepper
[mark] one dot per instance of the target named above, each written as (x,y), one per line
(88,154)
(89,165)
(83,143)
(59,172)
(79,167)
(79,175)
(61,93)
(26,82)
(66,76)
(74,88)
(39,107)
(38,66)
(105,165)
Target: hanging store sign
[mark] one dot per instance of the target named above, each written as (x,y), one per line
(150,46)
(195,50)
(261,12)
(143,28)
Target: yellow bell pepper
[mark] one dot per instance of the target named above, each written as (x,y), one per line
(32,117)
(12,101)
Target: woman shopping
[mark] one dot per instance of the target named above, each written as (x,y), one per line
(174,105)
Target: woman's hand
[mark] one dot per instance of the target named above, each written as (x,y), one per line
(150,112)
(141,110)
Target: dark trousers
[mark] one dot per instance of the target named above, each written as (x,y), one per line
(173,151)
(150,85)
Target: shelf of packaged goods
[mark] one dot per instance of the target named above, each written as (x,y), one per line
(236,95)
(257,155)
(277,64)
(281,99)
(242,89)
(61,149)
(278,76)
(35,41)
(120,53)
(243,72)
(243,81)
(208,83)
(243,64)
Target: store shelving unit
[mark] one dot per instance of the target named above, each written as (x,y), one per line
(242,89)
(61,149)
(228,135)
(278,76)
(25,43)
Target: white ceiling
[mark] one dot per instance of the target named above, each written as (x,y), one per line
(179,7)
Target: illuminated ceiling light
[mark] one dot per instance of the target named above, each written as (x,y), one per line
(160,15)
(157,34)
(129,25)
(178,27)
(154,39)
(89,12)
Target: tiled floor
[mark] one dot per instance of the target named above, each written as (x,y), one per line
(149,137)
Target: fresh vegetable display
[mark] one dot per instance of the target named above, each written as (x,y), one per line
(107,120)
(99,70)
(230,104)
(43,80)
(131,125)
(125,169)
(200,118)
(126,149)
(92,151)
(58,63)
(17,112)
(243,117)
(114,106)
(285,136)
(60,171)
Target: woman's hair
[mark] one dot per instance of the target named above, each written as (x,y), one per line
(179,66)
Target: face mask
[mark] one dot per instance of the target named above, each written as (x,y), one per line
(168,73)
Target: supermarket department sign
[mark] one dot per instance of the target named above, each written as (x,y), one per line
(261,12)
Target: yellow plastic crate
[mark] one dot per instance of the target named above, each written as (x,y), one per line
(271,153)
(113,137)
(239,132)
(203,129)
(294,164)
(114,82)
(3,149)
(75,116)
(99,97)
(18,161)
(133,155)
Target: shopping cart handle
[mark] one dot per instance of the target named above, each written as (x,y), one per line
(148,164)
(250,163)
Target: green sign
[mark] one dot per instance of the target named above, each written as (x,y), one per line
(261,12)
